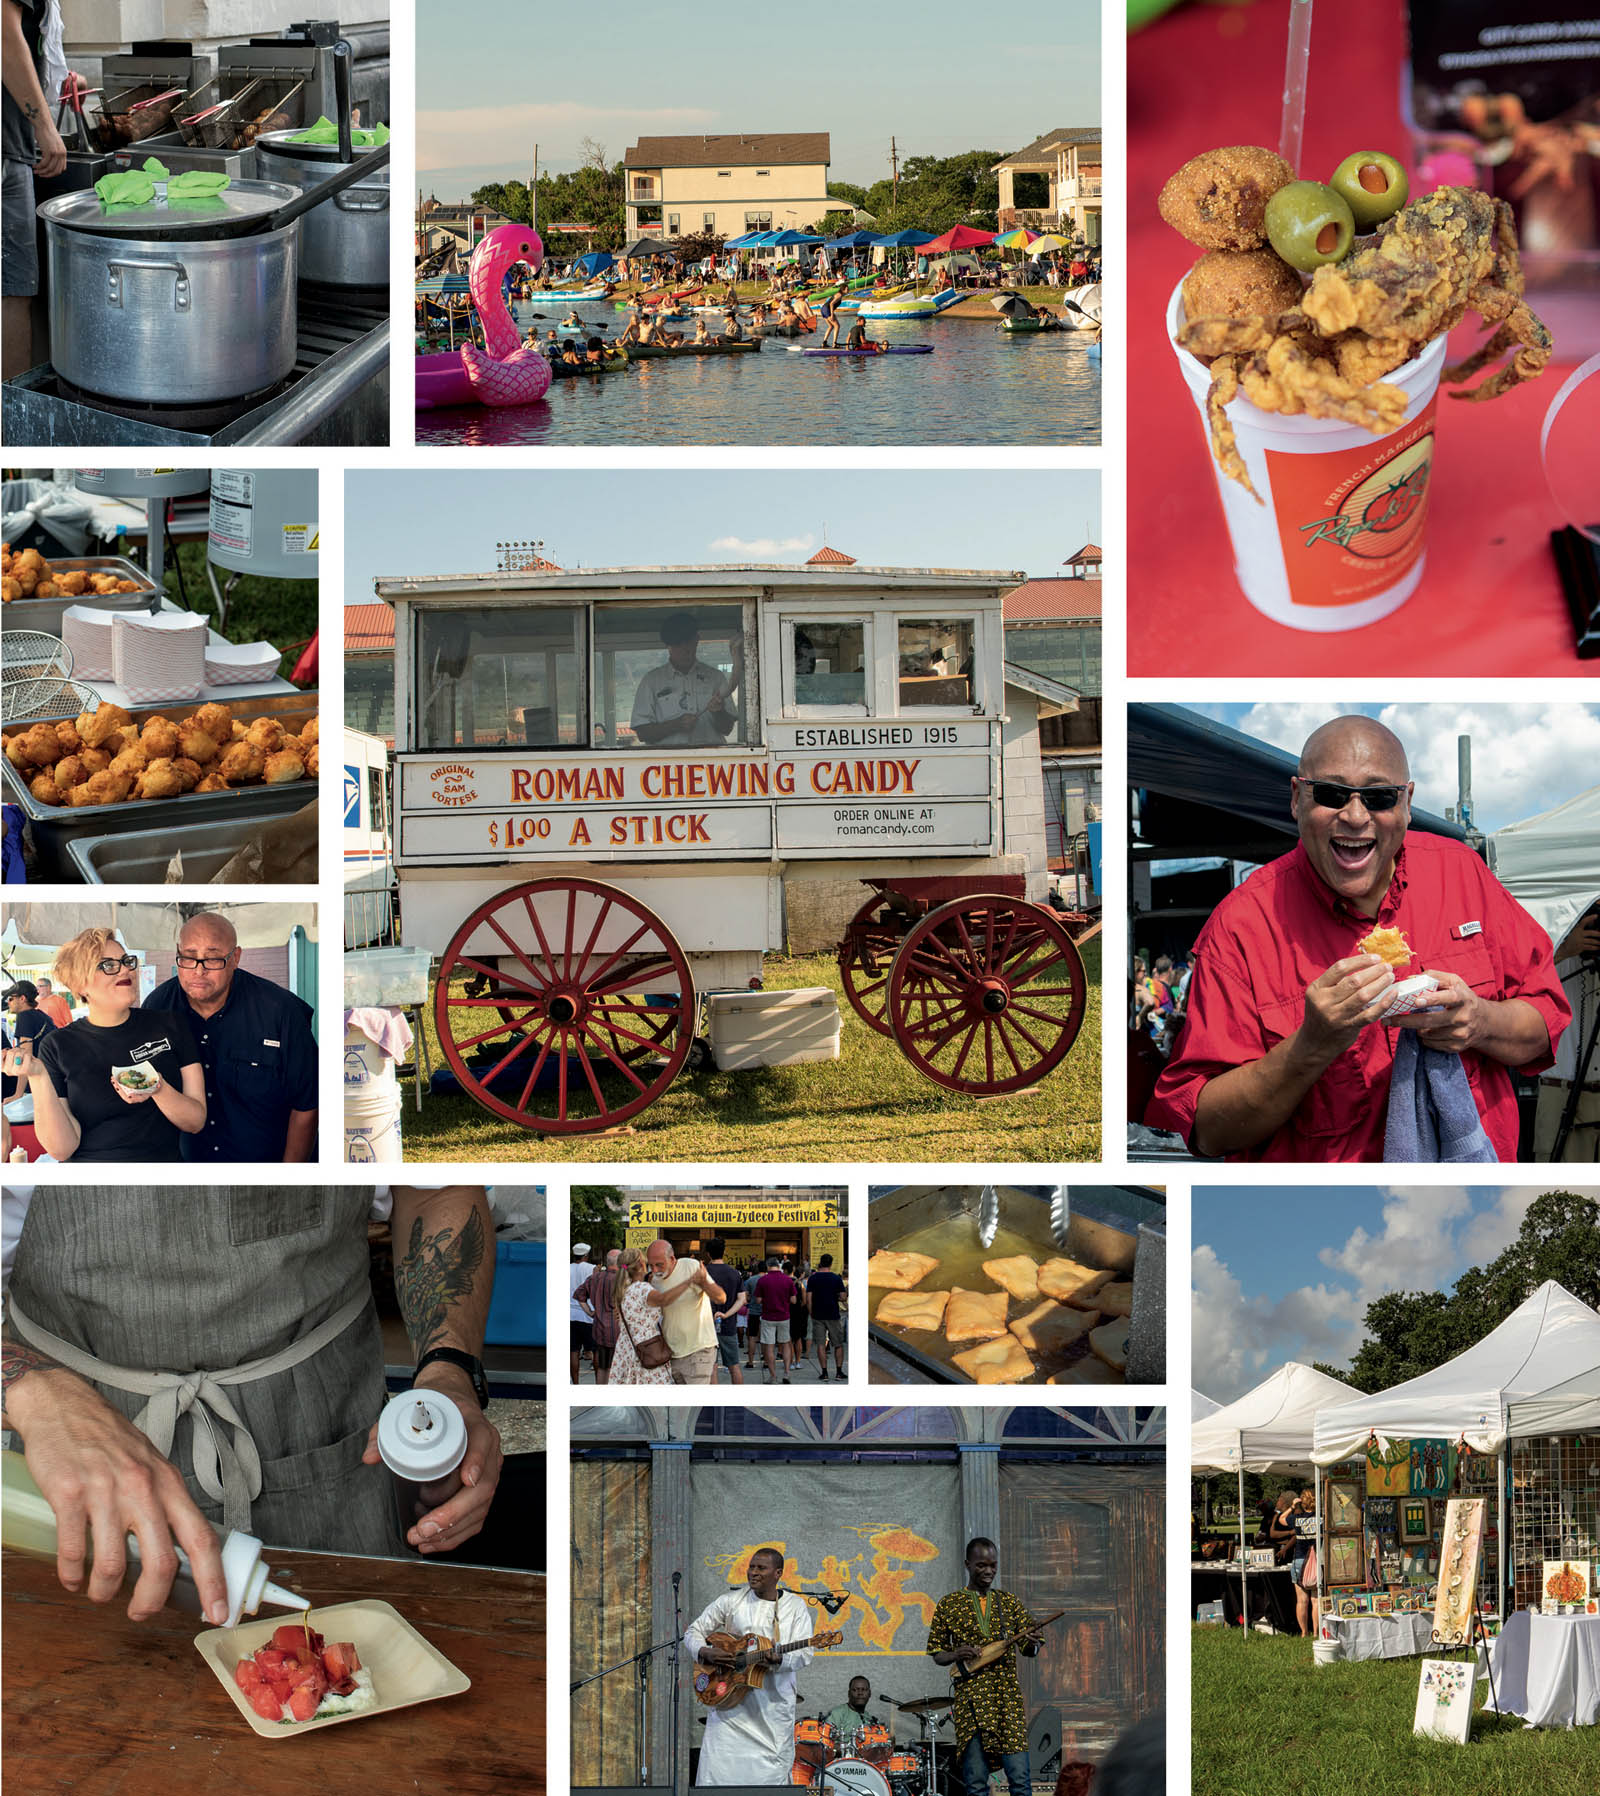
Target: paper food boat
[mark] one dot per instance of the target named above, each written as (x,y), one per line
(159,660)
(1407,995)
(137,1077)
(240,663)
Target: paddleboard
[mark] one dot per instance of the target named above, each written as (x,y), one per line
(888,349)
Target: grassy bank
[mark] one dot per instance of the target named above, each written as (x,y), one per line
(1267,1722)
(869,1105)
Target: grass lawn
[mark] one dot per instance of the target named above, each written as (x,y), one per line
(869,1105)
(1267,1722)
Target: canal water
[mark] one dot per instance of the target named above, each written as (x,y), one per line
(981,386)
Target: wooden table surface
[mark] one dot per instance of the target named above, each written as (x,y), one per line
(100,1706)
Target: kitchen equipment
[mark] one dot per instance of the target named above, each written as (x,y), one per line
(136,113)
(345,240)
(31,662)
(29,1526)
(142,856)
(227,114)
(422,1439)
(264,521)
(152,485)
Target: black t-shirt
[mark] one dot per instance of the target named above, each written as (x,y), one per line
(79,1061)
(826,1289)
(16,133)
(27,1025)
(730,1283)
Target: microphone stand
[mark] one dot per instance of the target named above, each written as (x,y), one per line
(642,1659)
(677,1643)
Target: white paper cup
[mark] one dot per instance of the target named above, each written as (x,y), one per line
(1340,538)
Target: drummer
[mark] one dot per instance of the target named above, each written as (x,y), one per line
(851,1716)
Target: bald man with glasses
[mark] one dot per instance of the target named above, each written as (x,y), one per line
(1280,1058)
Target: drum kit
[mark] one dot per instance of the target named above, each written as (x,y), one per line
(867,1762)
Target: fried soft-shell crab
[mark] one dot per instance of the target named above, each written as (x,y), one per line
(1451,253)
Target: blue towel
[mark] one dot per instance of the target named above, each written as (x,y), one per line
(1432,1116)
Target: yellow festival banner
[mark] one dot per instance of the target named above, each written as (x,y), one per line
(713,1213)
(828,1241)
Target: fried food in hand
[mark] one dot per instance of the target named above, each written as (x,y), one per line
(242,763)
(283,767)
(1240,283)
(266,733)
(159,738)
(1390,946)
(1219,199)
(161,780)
(41,746)
(216,720)
(45,789)
(108,787)
(195,745)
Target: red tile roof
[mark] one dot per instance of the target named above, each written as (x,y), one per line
(826,557)
(1089,552)
(368,629)
(1042,600)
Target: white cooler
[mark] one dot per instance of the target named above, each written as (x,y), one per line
(751,1029)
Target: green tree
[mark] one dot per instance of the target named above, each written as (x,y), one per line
(847,190)
(599,1216)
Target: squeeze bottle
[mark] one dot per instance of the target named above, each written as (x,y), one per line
(422,1439)
(28,1525)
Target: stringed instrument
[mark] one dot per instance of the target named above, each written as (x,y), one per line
(995,1650)
(725,1686)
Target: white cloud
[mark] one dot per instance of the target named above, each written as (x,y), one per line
(1495,1227)
(1415,1250)
(475,136)
(755,548)
(1230,1352)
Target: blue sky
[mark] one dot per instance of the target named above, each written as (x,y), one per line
(493,80)
(1281,1273)
(448,522)
(1526,758)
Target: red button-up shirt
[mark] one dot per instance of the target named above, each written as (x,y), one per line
(1284,927)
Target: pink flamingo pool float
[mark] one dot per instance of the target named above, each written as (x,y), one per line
(511,373)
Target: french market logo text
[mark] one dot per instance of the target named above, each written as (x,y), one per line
(1385,512)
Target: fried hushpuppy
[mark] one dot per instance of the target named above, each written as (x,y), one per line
(283,767)
(1218,200)
(161,779)
(266,733)
(41,745)
(188,772)
(95,760)
(1240,283)
(131,761)
(308,732)
(16,754)
(216,720)
(108,787)
(67,735)
(242,763)
(311,761)
(159,738)
(45,789)
(97,727)
(195,745)
(213,782)
(69,771)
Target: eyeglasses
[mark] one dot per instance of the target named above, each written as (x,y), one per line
(1333,796)
(210,962)
(128,963)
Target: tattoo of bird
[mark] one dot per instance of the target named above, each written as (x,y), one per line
(437,1271)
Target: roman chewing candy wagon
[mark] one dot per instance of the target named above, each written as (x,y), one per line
(604,778)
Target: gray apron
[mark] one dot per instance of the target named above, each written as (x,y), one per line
(235,1326)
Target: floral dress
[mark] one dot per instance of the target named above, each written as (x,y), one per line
(644,1324)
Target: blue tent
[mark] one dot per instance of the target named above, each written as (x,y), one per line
(904,240)
(595,261)
(784,239)
(748,241)
(856,240)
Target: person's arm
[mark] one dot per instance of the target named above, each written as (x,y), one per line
(1246,1105)
(105,1481)
(300,1140)
(21,80)
(53,1121)
(443,1278)
(664,731)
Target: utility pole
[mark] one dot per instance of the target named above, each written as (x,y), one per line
(894,185)
(533,191)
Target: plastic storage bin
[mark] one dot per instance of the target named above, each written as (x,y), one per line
(386,976)
(516,1310)
(751,1029)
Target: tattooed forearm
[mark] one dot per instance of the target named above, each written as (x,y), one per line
(16,1360)
(438,1272)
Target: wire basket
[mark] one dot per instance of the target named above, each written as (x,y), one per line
(29,656)
(134,114)
(209,121)
(275,106)
(45,696)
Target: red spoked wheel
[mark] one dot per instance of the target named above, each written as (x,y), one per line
(987,995)
(586,987)
(866,953)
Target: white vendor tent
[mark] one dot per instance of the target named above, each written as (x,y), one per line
(1571,1407)
(1551,863)
(1201,1406)
(1269,1426)
(1468,1397)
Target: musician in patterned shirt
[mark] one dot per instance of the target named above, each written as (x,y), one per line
(991,1720)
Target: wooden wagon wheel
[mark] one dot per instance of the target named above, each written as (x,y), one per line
(866,953)
(986,995)
(567,1023)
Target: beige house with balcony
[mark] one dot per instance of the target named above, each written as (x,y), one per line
(761,181)
(1070,161)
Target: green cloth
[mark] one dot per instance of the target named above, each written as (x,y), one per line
(137,186)
(326,131)
(845,1721)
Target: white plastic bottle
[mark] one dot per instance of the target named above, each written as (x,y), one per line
(422,1439)
(28,1525)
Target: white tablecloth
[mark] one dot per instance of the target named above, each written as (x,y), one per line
(1379,1636)
(1547,1669)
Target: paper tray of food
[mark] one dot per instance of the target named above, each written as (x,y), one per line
(28,613)
(53,827)
(405,1669)
(940,1223)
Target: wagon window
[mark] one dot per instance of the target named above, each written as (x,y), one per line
(830,661)
(669,676)
(500,677)
(936,661)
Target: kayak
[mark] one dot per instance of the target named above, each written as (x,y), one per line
(1019,326)
(887,349)
(911,305)
(540,296)
(610,365)
(645,351)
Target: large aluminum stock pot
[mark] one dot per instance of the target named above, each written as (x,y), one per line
(346,238)
(173,306)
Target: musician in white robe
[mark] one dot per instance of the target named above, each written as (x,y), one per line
(753,1742)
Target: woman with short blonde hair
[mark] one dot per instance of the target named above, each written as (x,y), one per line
(120,1084)
(638,1320)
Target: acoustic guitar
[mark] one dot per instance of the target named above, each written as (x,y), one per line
(995,1650)
(726,1686)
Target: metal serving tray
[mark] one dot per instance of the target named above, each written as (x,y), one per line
(45,614)
(53,828)
(141,856)
(1109,1224)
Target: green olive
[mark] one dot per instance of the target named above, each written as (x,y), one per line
(1309,225)
(1373,185)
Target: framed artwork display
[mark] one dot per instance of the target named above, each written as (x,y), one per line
(1432,1468)
(1388,1468)
(1461,1545)
(1414,1519)
(1344,1559)
(1344,1506)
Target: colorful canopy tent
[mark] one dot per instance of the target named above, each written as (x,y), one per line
(1469,1397)
(903,240)
(1268,1427)
(1201,1406)
(856,240)
(595,261)
(1571,1407)
(958,237)
(787,239)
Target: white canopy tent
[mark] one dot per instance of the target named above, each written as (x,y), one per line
(1571,1407)
(264,924)
(1551,863)
(1201,1406)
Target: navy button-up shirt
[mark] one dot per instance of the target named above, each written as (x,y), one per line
(260,1061)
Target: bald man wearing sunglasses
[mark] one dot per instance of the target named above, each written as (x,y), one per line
(1279,1058)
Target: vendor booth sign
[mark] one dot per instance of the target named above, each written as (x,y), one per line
(709,1211)
(1444,1700)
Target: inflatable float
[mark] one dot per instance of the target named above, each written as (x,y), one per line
(511,372)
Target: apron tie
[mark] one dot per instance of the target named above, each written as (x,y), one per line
(227,1465)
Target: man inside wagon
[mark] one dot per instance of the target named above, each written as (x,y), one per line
(1292,1048)
(684,703)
